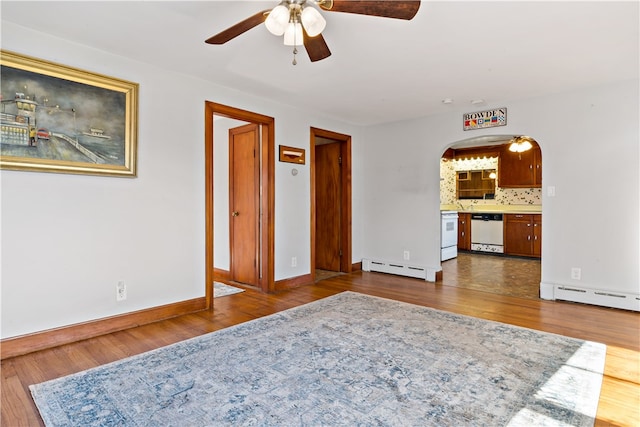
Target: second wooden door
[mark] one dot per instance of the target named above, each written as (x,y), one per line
(328,206)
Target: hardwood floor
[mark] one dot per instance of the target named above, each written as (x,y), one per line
(619,400)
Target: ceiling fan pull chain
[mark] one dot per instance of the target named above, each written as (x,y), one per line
(294,62)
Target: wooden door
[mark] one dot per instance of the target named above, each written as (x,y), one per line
(328,206)
(244,203)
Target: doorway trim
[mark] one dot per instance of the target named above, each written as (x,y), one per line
(346,265)
(267,203)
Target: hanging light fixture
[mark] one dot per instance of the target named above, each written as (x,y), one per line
(520,144)
(313,22)
(277,20)
(290,17)
(293,34)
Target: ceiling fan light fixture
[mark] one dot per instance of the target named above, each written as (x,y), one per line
(520,144)
(313,21)
(293,34)
(277,20)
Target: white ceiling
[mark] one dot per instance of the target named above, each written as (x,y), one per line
(381,69)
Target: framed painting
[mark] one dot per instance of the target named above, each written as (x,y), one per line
(56,118)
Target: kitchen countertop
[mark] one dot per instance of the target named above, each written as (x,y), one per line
(505,209)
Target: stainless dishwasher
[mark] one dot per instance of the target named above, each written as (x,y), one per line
(487,232)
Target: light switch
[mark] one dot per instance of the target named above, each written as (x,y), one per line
(551,191)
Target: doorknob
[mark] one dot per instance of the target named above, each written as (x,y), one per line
(234,213)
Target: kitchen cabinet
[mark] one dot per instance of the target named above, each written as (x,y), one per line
(476,184)
(523,234)
(520,170)
(464,231)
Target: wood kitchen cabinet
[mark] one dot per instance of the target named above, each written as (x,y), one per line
(520,170)
(475,184)
(464,231)
(523,234)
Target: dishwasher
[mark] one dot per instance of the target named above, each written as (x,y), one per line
(487,233)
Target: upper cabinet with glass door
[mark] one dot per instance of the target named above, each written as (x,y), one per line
(478,184)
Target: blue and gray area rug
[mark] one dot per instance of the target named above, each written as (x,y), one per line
(346,360)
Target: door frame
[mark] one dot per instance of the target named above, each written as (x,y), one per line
(267,203)
(346,265)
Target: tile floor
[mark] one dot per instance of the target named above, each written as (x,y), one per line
(518,277)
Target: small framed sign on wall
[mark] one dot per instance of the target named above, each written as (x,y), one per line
(292,155)
(485,119)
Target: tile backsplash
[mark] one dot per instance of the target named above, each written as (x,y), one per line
(503,196)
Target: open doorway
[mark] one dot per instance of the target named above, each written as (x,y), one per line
(219,120)
(507,198)
(330,203)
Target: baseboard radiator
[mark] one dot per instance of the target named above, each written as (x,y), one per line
(623,300)
(416,271)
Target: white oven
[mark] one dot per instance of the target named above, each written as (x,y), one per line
(449,235)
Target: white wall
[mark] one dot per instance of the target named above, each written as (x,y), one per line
(68,239)
(589,142)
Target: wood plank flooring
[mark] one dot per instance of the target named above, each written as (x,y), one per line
(619,400)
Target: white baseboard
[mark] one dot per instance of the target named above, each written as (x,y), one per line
(567,292)
(401,269)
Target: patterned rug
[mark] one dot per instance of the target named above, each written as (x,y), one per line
(222,290)
(346,360)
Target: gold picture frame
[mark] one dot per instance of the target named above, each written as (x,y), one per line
(56,118)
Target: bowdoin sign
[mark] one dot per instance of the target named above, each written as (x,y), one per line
(485,119)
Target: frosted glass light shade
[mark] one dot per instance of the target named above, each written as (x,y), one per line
(313,21)
(293,34)
(277,20)
(520,147)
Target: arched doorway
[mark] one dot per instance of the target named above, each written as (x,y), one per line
(484,181)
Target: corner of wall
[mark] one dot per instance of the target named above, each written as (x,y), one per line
(546,291)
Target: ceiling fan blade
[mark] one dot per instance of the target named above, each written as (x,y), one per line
(316,47)
(398,9)
(239,28)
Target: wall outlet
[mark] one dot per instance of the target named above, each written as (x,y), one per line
(576,273)
(121,291)
(407,255)
(294,262)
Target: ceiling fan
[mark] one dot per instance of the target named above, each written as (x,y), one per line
(302,24)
